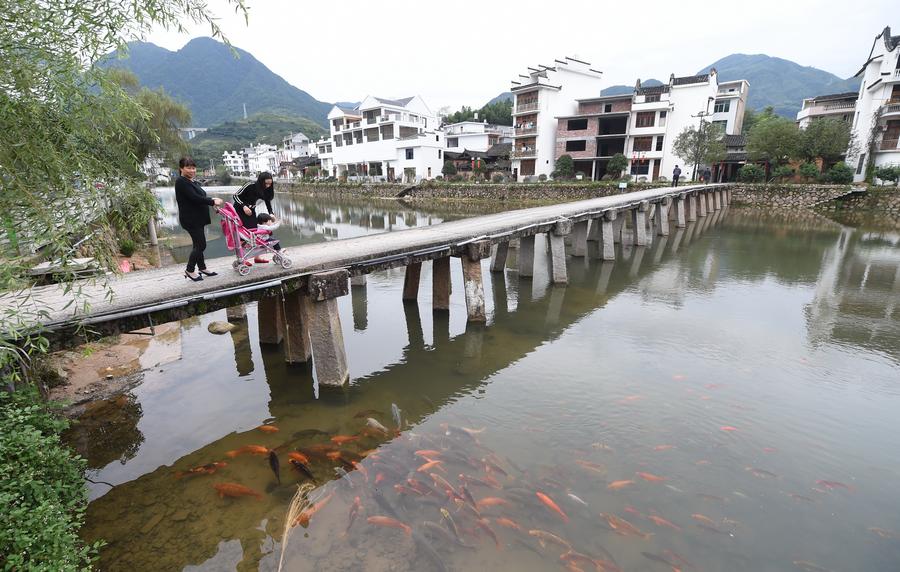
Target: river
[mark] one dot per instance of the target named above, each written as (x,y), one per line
(724,399)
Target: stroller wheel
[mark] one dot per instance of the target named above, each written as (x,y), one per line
(235,264)
(285,262)
(243,270)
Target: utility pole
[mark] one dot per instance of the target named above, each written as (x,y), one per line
(701,115)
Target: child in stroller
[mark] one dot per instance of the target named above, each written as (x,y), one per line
(246,243)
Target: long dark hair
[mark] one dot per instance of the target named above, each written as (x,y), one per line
(186,161)
(267,194)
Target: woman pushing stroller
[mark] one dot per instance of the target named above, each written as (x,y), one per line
(249,195)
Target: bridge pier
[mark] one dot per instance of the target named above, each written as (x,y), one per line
(498,258)
(236,313)
(593,234)
(607,250)
(411,281)
(702,201)
(692,207)
(662,218)
(472,279)
(440,285)
(526,257)
(326,336)
(639,221)
(297,347)
(270,318)
(556,237)
(679,211)
(618,229)
(359,303)
(579,238)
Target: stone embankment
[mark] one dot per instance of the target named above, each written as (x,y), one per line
(787,196)
(878,205)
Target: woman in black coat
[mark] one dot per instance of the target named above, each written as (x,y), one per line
(246,199)
(193,214)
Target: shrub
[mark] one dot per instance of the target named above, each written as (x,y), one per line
(616,165)
(126,246)
(498,178)
(41,489)
(626,177)
(889,173)
(808,170)
(449,169)
(839,174)
(565,168)
(782,172)
(542,177)
(751,173)
(132,208)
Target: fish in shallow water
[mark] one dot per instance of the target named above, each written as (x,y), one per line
(483,524)
(623,527)
(367,413)
(207,469)
(650,477)
(310,433)
(341,439)
(508,523)
(275,465)
(544,537)
(395,413)
(831,485)
(252,449)
(548,502)
(576,498)
(661,560)
(616,485)
(234,490)
(303,468)
(372,423)
(304,517)
(268,428)
(761,473)
(883,533)
(491,501)
(390,523)
(660,521)
(355,509)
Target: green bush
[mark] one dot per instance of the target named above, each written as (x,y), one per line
(839,174)
(126,246)
(782,172)
(449,169)
(498,178)
(808,171)
(132,208)
(41,489)
(616,165)
(889,173)
(542,177)
(565,168)
(751,173)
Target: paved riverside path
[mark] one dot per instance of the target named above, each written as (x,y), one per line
(147,292)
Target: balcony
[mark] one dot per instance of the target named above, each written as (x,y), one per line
(891,108)
(889,145)
(839,106)
(526,107)
(523,152)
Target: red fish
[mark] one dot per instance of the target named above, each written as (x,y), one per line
(660,521)
(616,485)
(299,457)
(354,512)
(268,428)
(548,502)
(207,469)
(663,447)
(490,501)
(341,439)
(235,490)
(304,517)
(831,485)
(390,523)
(252,449)
(728,428)
(508,523)
(430,465)
(482,523)
(650,477)
(428,453)
(703,519)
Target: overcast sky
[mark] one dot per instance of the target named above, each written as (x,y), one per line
(465,52)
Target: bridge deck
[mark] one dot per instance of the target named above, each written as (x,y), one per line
(149,291)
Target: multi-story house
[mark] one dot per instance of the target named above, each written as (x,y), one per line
(260,158)
(837,106)
(385,139)
(876,123)
(476,135)
(597,131)
(234,162)
(540,96)
(295,145)
(729,106)
(324,153)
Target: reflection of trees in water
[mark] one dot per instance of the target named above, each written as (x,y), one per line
(107,431)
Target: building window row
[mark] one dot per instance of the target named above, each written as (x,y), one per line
(577,124)
(722,106)
(577,145)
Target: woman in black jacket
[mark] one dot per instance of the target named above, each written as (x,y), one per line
(193,214)
(246,199)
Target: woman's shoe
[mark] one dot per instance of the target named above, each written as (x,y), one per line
(195,279)
(260,260)
(205,272)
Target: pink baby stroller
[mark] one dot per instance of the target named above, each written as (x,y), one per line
(247,243)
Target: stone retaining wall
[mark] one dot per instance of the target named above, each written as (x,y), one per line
(786,196)
(878,206)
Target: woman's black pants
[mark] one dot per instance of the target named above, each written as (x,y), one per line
(198,242)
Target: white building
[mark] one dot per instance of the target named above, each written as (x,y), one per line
(234,161)
(837,106)
(729,106)
(476,136)
(385,139)
(325,154)
(261,157)
(156,170)
(540,96)
(295,145)
(876,124)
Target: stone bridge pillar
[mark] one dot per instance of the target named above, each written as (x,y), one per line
(326,336)
(498,259)
(702,201)
(558,251)
(440,285)
(472,279)
(639,220)
(526,257)
(411,282)
(607,248)
(579,238)
(679,211)
(662,217)
(692,207)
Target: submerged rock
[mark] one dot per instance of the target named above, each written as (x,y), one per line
(220,328)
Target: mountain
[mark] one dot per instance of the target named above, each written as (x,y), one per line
(214,84)
(626,89)
(261,128)
(780,83)
(505,95)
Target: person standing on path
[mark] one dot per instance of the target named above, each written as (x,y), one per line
(193,215)
(676,173)
(248,196)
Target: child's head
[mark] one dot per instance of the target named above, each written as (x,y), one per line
(263,218)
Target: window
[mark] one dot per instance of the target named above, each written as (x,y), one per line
(642,144)
(577,124)
(722,106)
(409,153)
(439,153)
(640,167)
(659,143)
(861,164)
(607,108)
(662,118)
(651,98)
(437,137)
(721,125)
(576,145)
(645,119)
(452,141)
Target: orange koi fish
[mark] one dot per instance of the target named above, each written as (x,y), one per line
(482,523)
(490,501)
(234,490)
(623,527)
(268,428)
(595,467)
(299,457)
(544,537)
(650,477)
(354,512)
(548,502)
(341,439)
(660,521)
(442,482)
(703,519)
(508,523)
(660,559)
(390,523)
(679,377)
(252,449)
(430,465)
(616,485)
(663,447)
(304,517)
(728,428)
(761,473)
(428,453)
(207,469)
(831,485)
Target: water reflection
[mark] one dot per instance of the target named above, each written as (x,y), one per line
(733,321)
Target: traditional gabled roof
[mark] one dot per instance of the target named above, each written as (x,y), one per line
(689,79)
(652,90)
(500,150)
(735,140)
(398,102)
(890,42)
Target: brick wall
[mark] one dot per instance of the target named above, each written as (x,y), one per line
(563,134)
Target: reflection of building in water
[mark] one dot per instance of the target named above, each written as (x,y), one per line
(857,293)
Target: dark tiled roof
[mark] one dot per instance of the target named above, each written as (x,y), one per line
(890,42)
(500,150)
(735,140)
(398,102)
(690,79)
(653,90)
(735,157)
(834,96)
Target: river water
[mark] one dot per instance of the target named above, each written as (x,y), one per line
(724,399)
